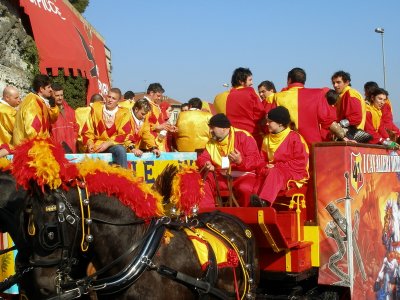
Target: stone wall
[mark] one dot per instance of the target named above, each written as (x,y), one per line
(15,46)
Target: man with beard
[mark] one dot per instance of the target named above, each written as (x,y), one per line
(230,153)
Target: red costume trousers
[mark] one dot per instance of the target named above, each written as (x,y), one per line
(242,188)
(268,185)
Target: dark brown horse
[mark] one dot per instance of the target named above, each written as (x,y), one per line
(35,280)
(135,258)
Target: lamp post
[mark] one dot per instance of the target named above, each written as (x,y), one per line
(382,31)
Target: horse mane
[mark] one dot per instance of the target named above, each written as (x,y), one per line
(112,180)
(182,189)
(43,163)
(163,183)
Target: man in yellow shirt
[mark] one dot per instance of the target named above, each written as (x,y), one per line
(8,104)
(193,131)
(35,113)
(82,115)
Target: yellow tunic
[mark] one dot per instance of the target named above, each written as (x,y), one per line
(82,116)
(33,119)
(220,102)
(96,132)
(127,104)
(150,123)
(193,131)
(141,135)
(7,120)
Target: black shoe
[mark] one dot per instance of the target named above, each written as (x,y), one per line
(256,201)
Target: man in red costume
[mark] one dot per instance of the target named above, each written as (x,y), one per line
(65,130)
(285,159)
(244,108)
(374,124)
(230,152)
(350,105)
(308,108)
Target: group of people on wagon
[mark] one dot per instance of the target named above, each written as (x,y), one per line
(256,143)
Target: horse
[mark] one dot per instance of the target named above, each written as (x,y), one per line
(138,256)
(34,278)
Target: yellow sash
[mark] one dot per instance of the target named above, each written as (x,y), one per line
(376,114)
(217,150)
(272,142)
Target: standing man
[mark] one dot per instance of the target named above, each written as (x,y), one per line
(35,113)
(350,106)
(8,104)
(65,130)
(230,152)
(308,108)
(154,119)
(109,128)
(244,108)
(193,132)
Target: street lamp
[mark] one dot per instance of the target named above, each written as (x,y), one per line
(382,31)
(226,85)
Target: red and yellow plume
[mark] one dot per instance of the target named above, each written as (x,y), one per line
(187,189)
(44,162)
(122,184)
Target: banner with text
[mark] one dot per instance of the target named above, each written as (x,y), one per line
(65,40)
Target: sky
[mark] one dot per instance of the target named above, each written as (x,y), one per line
(192,47)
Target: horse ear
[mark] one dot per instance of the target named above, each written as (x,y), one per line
(37,190)
(163,183)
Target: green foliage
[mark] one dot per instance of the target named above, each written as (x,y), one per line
(30,55)
(75,89)
(80,5)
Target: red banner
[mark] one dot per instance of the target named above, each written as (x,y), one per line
(359,219)
(65,40)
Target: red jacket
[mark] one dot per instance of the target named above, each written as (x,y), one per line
(65,129)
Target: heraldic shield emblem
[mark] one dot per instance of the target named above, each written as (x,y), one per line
(357,177)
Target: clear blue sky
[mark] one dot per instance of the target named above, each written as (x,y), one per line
(192,47)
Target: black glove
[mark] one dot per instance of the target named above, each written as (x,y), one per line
(358,135)
(52,102)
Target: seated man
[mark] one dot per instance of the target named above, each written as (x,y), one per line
(139,111)
(375,114)
(229,152)
(82,115)
(109,128)
(193,132)
(285,159)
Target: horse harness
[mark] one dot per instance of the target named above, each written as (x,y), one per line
(54,236)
